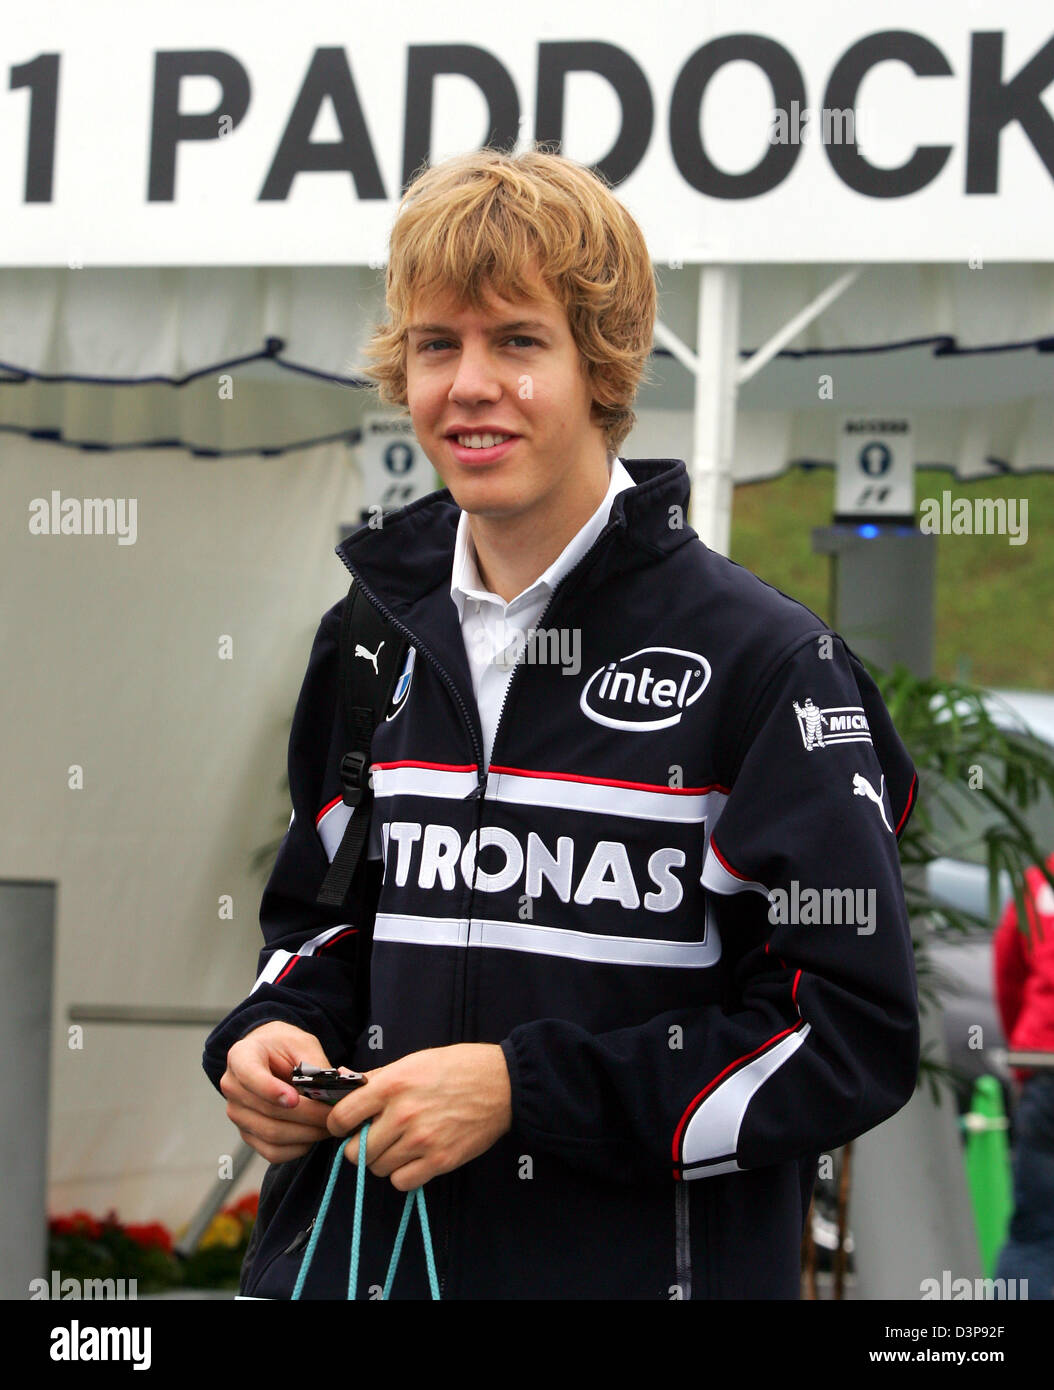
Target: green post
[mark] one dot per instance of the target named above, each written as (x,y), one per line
(988,1169)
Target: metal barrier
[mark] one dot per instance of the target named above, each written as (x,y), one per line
(178,1016)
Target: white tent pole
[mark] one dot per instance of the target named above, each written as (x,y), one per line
(673,345)
(718,374)
(794,326)
(717,336)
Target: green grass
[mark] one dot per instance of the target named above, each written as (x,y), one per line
(995,601)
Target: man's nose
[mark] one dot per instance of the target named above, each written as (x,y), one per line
(476,378)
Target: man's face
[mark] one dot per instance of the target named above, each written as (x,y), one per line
(512,370)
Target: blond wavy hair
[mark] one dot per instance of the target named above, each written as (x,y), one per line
(488,222)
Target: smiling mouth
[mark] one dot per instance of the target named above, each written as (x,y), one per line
(485,440)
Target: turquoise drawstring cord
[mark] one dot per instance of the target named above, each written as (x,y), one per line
(416,1197)
(309,1253)
(360,1193)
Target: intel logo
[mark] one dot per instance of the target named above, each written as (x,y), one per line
(649,689)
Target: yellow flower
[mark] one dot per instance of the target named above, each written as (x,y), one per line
(222,1230)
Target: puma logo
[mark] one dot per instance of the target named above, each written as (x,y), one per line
(862,787)
(360,650)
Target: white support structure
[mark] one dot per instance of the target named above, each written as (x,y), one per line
(718,375)
(794,326)
(717,334)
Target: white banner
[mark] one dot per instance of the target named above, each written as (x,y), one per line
(247,132)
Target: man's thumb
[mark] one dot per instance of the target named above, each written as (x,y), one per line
(278,1056)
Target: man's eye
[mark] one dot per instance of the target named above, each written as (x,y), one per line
(440,344)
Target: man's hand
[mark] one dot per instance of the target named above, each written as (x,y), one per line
(430,1112)
(259,1096)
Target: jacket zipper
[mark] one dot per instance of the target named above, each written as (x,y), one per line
(612,525)
(683,1242)
(481,782)
(299,1241)
(481,772)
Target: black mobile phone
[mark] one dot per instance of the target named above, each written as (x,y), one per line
(328,1084)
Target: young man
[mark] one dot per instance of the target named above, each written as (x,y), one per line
(602,1019)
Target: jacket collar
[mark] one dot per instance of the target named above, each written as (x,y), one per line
(412,552)
(465,581)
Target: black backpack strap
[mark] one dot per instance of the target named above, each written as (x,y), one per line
(371,657)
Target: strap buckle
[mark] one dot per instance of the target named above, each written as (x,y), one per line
(354,777)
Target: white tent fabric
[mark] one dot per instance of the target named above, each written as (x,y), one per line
(110,386)
(117,358)
(113,663)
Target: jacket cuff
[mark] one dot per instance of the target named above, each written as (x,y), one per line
(245,1019)
(512,1061)
(536,1110)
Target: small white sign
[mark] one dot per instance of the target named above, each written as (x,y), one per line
(395,469)
(876,467)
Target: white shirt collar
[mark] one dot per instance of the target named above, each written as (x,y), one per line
(465,581)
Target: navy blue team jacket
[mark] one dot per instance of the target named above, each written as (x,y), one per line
(625,900)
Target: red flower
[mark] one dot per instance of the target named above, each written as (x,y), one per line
(78,1223)
(246,1206)
(152,1236)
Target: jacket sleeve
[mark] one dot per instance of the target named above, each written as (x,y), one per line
(1011,969)
(308,971)
(817,1039)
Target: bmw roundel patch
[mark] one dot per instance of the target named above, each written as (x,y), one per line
(402,685)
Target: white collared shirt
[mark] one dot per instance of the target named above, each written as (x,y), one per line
(494,631)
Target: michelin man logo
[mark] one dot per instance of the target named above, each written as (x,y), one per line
(843,724)
(811,721)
